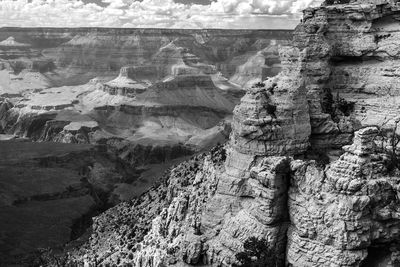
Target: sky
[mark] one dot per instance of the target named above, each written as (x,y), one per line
(187,14)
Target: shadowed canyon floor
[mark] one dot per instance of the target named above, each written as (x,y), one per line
(43,194)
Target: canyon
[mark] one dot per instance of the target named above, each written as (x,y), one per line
(129,82)
(309,176)
(92,117)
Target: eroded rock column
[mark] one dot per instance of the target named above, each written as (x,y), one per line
(270,125)
(338,214)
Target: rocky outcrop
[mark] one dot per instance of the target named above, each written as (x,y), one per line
(16,57)
(171,61)
(11,49)
(69,132)
(264,123)
(5,106)
(340,214)
(272,64)
(10,42)
(335,216)
(346,49)
(259,67)
(174,189)
(125,84)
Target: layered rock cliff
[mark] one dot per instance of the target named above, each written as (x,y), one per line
(349,58)
(307,178)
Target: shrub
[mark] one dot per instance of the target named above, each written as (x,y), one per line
(344,106)
(257,253)
(259,85)
(390,140)
(336,2)
(271,109)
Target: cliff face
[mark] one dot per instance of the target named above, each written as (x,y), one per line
(337,218)
(78,54)
(261,200)
(261,66)
(349,57)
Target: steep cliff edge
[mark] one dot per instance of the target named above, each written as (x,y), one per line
(261,200)
(349,54)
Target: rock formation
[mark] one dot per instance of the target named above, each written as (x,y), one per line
(341,214)
(272,120)
(9,49)
(260,200)
(171,61)
(19,56)
(259,67)
(125,84)
(346,49)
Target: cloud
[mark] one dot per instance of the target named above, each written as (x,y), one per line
(252,14)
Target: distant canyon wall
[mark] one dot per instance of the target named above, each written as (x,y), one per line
(99,51)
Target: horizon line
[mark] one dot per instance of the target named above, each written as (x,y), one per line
(138,28)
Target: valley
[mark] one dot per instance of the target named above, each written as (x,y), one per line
(90,117)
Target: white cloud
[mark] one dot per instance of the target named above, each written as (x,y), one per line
(153,13)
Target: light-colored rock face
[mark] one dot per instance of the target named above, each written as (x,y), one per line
(343,215)
(125,84)
(272,120)
(261,66)
(340,214)
(349,57)
(17,56)
(174,60)
(10,42)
